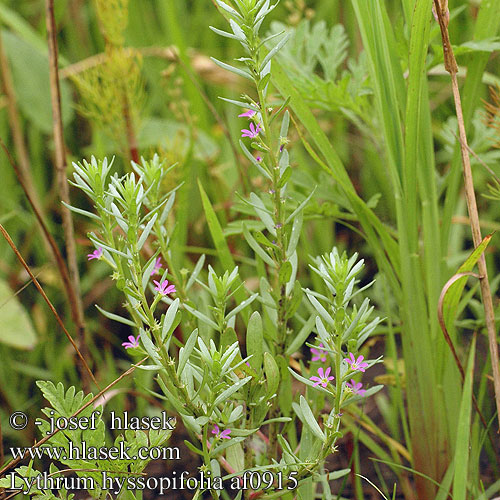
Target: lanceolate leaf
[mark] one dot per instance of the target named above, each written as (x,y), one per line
(453,294)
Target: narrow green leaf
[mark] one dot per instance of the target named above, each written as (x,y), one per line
(216,231)
(146,232)
(275,50)
(285,177)
(168,319)
(260,238)
(149,346)
(257,248)
(452,297)
(285,124)
(462,451)
(263,213)
(251,157)
(231,390)
(205,319)
(81,212)
(196,271)
(300,207)
(301,337)
(242,306)
(115,317)
(285,272)
(295,234)
(232,69)
(255,341)
(310,419)
(225,34)
(185,352)
(240,104)
(272,374)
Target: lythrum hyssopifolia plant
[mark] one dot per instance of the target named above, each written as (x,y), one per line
(227,375)
(222,357)
(225,399)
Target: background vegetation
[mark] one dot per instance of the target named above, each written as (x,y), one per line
(373,134)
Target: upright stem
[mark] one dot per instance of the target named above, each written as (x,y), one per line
(280,242)
(452,68)
(55,92)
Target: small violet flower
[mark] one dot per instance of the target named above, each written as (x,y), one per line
(324,377)
(96,254)
(164,288)
(247,114)
(221,434)
(258,158)
(356,387)
(319,354)
(158,266)
(253,132)
(356,364)
(133,342)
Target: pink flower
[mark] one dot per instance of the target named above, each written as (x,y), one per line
(319,354)
(164,288)
(158,266)
(133,342)
(96,254)
(356,364)
(258,158)
(247,114)
(323,378)
(253,132)
(356,387)
(221,435)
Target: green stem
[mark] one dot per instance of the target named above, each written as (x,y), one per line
(281,257)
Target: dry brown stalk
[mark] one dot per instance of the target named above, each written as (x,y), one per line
(452,68)
(60,164)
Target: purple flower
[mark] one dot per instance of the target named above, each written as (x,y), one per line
(247,114)
(356,364)
(319,354)
(323,378)
(282,147)
(164,288)
(258,158)
(221,435)
(356,387)
(158,266)
(253,132)
(133,342)
(96,254)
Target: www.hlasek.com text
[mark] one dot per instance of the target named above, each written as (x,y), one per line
(84,452)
